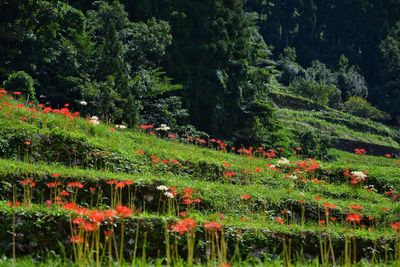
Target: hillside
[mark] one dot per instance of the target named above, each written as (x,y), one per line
(265,210)
(298,113)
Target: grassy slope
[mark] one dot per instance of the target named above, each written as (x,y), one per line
(270,191)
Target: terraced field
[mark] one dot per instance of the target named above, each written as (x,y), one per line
(75,193)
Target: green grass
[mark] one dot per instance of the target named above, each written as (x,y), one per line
(199,168)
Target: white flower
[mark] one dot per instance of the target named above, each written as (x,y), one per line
(169,194)
(83,103)
(283,161)
(162,188)
(293,177)
(94,120)
(163,127)
(358,175)
(122,127)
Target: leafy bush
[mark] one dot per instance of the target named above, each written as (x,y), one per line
(21,81)
(358,106)
(321,93)
(315,144)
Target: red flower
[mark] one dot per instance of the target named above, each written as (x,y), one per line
(77,239)
(245,197)
(227,165)
(108,233)
(75,184)
(27,142)
(356,207)
(389,156)
(354,217)
(56,175)
(184,226)
(171,136)
(212,226)
(360,151)
(140,152)
(123,211)
(29,182)
(279,220)
(318,198)
(17,93)
(396,226)
(2,91)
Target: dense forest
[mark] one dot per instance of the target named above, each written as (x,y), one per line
(212,64)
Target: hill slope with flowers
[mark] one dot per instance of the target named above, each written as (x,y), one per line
(94,194)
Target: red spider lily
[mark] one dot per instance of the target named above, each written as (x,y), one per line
(279,220)
(360,151)
(184,226)
(123,211)
(53,184)
(171,136)
(40,105)
(230,174)
(298,149)
(196,200)
(27,142)
(56,175)
(92,189)
(245,197)
(187,201)
(111,182)
(109,214)
(317,198)
(284,211)
(89,227)
(108,233)
(2,91)
(77,239)
(47,110)
(17,93)
(15,204)
(28,182)
(329,205)
(396,226)
(188,192)
(75,184)
(70,206)
(225,265)
(183,214)
(213,226)
(120,185)
(96,216)
(356,207)
(227,165)
(333,218)
(140,152)
(78,221)
(146,126)
(322,222)
(258,170)
(389,156)
(65,193)
(354,217)
(301,201)
(128,182)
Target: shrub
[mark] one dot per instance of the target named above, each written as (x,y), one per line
(321,93)
(21,81)
(315,144)
(358,106)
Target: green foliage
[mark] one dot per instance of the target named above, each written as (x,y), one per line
(321,93)
(358,106)
(23,82)
(315,144)
(387,93)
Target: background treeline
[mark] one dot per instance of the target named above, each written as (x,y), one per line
(209,63)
